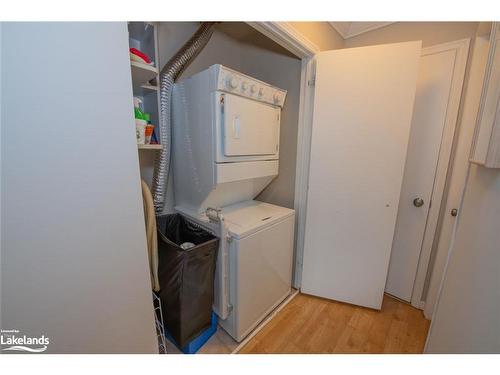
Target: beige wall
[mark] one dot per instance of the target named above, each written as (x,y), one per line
(429,32)
(326,37)
(321,34)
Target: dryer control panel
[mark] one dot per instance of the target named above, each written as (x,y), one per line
(234,82)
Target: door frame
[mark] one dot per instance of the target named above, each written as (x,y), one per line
(288,37)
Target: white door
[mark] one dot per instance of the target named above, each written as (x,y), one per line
(363,105)
(438,84)
(250,127)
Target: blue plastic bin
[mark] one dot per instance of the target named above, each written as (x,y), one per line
(200,340)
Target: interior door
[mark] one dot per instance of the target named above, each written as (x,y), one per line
(434,88)
(363,104)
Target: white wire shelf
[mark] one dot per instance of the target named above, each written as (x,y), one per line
(150,147)
(142,73)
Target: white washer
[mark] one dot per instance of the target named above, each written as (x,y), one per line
(259,272)
(260,263)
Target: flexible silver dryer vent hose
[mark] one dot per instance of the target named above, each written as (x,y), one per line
(172,69)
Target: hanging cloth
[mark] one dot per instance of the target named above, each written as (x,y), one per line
(152,240)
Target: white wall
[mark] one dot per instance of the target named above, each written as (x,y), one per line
(467,314)
(73,247)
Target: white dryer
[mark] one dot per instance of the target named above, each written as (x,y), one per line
(226,130)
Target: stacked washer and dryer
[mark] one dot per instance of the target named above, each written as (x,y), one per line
(226,129)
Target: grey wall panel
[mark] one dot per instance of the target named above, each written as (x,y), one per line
(467,314)
(74,261)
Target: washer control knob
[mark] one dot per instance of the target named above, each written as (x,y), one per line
(232,82)
(276,97)
(244,86)
(261,91)
(253,88)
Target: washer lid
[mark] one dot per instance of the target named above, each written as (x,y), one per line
(245,218)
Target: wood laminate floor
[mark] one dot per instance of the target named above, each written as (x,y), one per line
(314,325)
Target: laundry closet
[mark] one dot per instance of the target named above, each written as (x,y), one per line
(240,47)
(301,168)
(233,138)
(373,180)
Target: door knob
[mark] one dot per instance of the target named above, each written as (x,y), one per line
(454,212)
(418,202)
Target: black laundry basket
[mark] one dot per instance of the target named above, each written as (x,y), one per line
(186,276)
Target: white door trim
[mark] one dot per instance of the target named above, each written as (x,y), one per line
(304,136)
(288,37)
(461,48)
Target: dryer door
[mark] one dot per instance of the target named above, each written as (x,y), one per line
(249,127)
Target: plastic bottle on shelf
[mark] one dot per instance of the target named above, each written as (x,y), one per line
(138,112)
(140,122)
(149,128)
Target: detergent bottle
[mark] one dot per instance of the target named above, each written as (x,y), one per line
(140,121)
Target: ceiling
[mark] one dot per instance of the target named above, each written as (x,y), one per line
(350,29)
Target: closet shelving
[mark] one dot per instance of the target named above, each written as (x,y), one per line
(142,72)
(144,89)
(150,147)
(145,78)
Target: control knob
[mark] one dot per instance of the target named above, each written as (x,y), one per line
(244,85)
(232,82)
(276,97)
(253,88)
